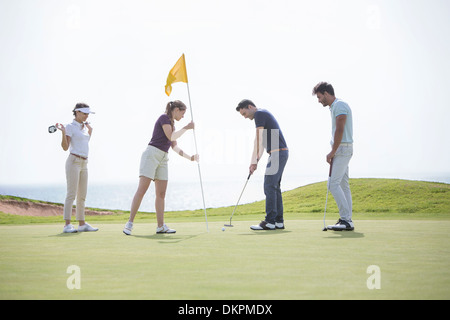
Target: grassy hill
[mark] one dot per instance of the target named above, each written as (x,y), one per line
(382,198)
(376,196)
(372,198)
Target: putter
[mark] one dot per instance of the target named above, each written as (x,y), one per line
(230,225)
(326,200)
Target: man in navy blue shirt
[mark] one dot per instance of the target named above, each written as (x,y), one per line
(269,137)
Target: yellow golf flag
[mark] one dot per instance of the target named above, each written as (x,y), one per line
(177,74)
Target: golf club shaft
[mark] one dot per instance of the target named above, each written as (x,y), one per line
(240,197)
(324,213)
(328,189)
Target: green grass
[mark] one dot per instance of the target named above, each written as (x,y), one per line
(301,262)
(403,227)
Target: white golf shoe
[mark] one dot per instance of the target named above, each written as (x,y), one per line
(165,229)
(86,227)
(342,225)
(279,225)
(69,229)
(263,226)
(128,228)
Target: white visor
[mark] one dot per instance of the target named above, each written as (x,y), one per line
(85,110)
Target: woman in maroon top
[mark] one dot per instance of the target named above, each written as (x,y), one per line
(154,160)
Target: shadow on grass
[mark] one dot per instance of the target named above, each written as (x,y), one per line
(62,234)
(344,234)
(264,232)
(166,238)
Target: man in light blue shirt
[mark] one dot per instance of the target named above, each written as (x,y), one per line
(338,108)
(341,153)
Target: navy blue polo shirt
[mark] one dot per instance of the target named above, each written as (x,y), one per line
(265,119)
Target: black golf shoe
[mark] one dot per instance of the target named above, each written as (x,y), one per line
(263,226)
(342,225)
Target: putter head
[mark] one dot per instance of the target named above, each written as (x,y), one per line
(324,229)
(228,225)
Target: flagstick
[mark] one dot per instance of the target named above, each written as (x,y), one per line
(198,164)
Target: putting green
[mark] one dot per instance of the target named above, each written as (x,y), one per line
(300,262)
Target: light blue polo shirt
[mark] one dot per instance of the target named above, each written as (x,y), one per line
(337,108)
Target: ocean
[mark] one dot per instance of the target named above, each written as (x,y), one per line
(180,195)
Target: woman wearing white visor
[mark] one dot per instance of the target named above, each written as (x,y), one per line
(76,136)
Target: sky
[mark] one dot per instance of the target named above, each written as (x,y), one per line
(387,59)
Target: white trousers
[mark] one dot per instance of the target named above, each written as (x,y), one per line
(339,181)
(77,180)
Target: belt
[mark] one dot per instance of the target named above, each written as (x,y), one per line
(282,149)
(79,156)
(346,144)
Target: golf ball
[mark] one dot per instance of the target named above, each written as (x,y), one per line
(223,228)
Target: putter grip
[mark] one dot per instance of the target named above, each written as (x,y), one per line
(331,166)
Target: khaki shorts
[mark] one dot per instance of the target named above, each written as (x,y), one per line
(154,164)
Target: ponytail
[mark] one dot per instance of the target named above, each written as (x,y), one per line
(171,106)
